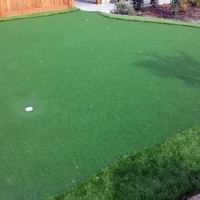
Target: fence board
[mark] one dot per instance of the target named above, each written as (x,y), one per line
(18,7)
(1,8)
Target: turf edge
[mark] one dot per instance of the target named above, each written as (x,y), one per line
(150,20)
(168,170)
(41,14)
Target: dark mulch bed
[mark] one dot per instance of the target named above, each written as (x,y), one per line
(191,14)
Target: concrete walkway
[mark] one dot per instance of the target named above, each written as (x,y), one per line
(90,5)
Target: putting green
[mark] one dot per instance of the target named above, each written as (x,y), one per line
(99,88)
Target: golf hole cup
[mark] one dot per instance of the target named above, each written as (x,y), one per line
(28,109)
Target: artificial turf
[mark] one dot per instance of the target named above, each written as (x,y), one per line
(100,89)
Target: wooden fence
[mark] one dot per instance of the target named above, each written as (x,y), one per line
(19,7)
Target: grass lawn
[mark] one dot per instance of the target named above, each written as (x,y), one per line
(100,89)
(168,170)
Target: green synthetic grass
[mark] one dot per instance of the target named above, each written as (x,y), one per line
(100,89)
(168,170)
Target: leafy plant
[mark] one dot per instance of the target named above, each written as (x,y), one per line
(184,5)
(137,4)
(174,4)
(154,3)
(124,8)
(195,2)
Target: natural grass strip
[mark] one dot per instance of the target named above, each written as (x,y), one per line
(150,20)
(41,14)
(168,170)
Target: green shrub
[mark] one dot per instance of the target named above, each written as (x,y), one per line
(154,3)
(195,2)
(184,6)
(174,4)
(137,4)
(124,8)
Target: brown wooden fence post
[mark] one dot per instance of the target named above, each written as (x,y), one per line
(2,14)
(98,1)
(71,3)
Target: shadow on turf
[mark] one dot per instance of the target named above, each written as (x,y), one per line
(182,67)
